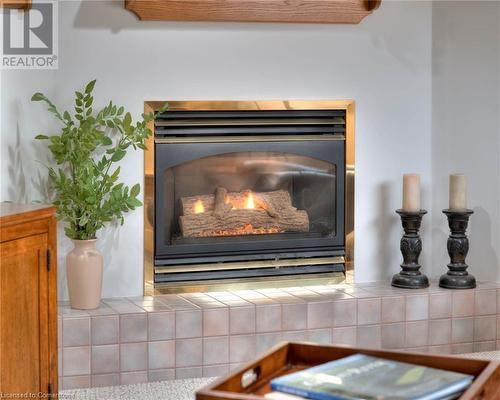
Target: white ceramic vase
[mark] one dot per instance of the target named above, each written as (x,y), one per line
(84,274)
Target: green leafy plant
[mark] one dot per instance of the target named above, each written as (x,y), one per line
(85,178)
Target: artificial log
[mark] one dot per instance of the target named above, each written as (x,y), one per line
(188,204)
(242,222)
(269,201)
(221,207)
(273,212)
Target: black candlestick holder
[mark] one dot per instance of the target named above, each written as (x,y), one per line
(457,276)
(411,246)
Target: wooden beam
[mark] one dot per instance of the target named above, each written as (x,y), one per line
(20,4)
(298,11)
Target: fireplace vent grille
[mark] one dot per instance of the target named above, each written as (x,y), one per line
(255,123)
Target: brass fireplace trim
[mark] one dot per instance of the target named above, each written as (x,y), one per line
(236,284)
(294,262)
(222,139)
(151,106)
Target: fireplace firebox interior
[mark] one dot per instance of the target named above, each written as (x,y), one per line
(247,193)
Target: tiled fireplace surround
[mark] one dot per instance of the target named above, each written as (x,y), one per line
(132,340)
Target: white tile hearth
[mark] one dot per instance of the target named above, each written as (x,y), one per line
(131,340)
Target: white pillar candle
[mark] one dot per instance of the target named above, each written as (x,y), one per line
(458,192)
(411,192)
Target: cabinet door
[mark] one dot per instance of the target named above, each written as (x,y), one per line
(24,340)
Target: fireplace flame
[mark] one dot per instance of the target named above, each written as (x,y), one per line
(249,202)
(198,207)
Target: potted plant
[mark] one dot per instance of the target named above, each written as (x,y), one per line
(87,192)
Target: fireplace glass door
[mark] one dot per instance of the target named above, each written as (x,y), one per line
(244,199)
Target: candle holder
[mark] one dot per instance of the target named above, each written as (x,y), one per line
(457,276)
(411,246)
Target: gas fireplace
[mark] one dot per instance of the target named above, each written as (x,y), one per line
(247,189)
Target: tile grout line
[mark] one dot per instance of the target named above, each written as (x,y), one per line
(90,350)
(147,347)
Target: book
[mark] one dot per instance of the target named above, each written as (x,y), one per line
(372,378)
(282,396)
(286,396)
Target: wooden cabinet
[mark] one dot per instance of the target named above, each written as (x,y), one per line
(28,299)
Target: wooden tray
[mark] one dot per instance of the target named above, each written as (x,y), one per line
(251,382)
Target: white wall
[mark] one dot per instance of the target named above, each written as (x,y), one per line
(466,126)
(384,64)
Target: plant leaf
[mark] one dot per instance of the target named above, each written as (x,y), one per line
(90,86)
(127,120)
(135,190)
(118,155)
(132,202)
(37,97)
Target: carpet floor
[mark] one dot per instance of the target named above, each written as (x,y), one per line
(178,389)
(182,389)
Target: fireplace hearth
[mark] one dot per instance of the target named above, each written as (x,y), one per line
(247,189)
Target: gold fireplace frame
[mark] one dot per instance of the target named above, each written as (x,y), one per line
(152,106)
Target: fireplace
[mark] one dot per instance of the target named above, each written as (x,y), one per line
(247,189)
